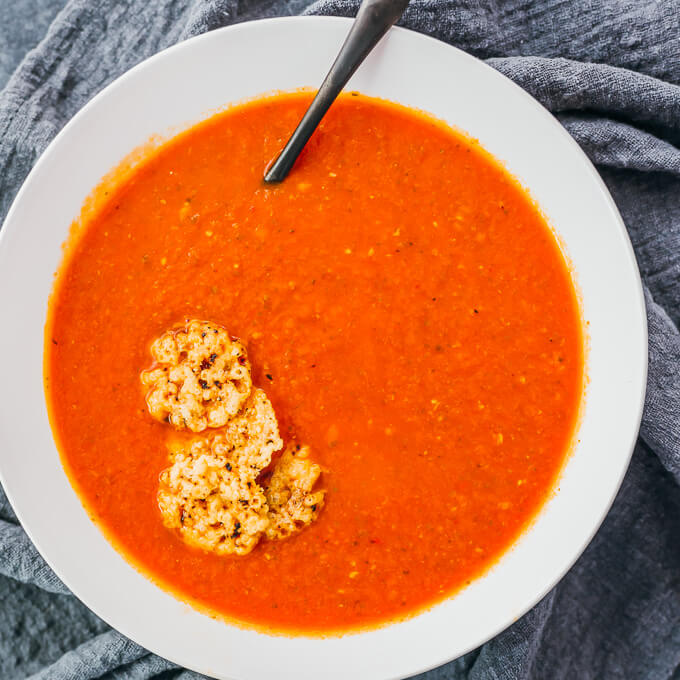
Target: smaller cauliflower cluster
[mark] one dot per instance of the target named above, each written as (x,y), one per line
(221,491)
(289,493)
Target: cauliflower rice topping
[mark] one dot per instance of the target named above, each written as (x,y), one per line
(210,493)
(251,437)
(215,507)
(200,378)
(289,491)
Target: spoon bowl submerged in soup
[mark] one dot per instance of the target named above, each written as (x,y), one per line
(405,307)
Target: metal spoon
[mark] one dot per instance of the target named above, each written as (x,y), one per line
(373,20)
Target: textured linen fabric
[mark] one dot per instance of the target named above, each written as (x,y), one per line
(610,71)
(22,26)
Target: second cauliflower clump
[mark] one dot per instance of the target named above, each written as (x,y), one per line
(215,508)
(211,493)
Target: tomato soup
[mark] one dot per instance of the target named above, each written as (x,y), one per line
(405,306)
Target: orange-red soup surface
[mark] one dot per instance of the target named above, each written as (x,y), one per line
(405,306)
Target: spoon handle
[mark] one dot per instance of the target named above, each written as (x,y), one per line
(372,22)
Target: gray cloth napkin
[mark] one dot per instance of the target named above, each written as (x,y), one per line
(610,71)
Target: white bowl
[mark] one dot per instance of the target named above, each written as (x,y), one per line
(180,86)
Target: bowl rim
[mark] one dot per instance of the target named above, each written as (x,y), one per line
(588,167)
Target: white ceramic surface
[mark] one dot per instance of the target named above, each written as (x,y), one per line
(177,87)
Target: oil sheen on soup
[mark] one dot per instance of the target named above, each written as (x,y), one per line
(405,306)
